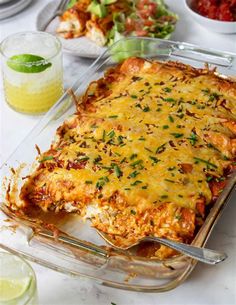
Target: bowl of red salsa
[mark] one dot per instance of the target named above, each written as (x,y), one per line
(216,15)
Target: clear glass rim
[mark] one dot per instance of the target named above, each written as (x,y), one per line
(31,288)
(56,39)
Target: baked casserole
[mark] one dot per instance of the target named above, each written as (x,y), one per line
(147,152)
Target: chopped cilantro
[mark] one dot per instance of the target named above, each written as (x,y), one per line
(113,116)
(165,126)
(171,119)
(133,212)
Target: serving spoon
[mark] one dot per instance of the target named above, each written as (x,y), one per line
(203,255)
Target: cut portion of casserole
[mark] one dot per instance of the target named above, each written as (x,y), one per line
(147,152)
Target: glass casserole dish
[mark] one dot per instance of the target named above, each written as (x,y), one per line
(77,247)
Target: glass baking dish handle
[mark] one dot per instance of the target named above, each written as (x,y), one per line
(189,51)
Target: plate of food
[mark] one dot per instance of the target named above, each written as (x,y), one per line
(87,27)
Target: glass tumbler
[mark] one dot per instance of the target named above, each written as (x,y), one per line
(32,71)
(17,281)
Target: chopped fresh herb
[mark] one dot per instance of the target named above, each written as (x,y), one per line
(144,187)
(136,183)
(138,106)
(213,96)
(178,126)
(133,156)
(209,164)
(192,138)
(146,109)
(100,196)
(104,135)
(171,168)
(169,99)
(177,135)
(171,119)
(111,134)
(94,126)
(46,158)
(142,139)
(206,91)
(178,217)
(133,212)
(82,159)
(166,89)
(113,116)
(225,157)
(165,126)
(123,160)
(117,170)
(154,159)
(134,174)
(120,139)
(168,180)
(133,96)
(160,149)
(97,159)
(134,164)
(164,196)
(148,149)
(127,189)
(112,303)
(180,196)
(209,178)
(101,182)
(181,115)
(158,109)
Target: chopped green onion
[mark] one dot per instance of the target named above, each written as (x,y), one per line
(177,135)
(46,158)
(136,183)
(134,174)
(204,161)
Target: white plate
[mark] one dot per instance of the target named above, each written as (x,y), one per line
(82,46)
(10,8)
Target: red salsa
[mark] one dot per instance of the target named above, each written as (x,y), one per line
(223,10)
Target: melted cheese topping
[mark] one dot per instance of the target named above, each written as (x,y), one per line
(155,139)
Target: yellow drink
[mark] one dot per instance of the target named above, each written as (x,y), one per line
(22,98)
(32,71)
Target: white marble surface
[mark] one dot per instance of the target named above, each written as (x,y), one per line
(207,284)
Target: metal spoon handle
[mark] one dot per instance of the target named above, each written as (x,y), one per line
(201,254)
